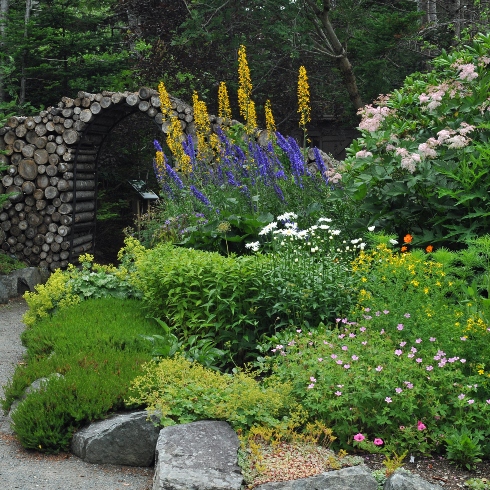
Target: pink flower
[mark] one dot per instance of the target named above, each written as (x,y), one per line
(338,393)
(386,311)
(420,425)
(352,335)
(429,368)
(346,366)
(355,358)
(418,341)
(403,344)
(312,379)
(333,356)
(379,368)
(470,402)
(359,437)
(378,442)
(398,352)
(339,361)
(364,342)
(362,329)
(311,386)
(388,399)
(461,396)
(432,339)
(400,326)
(344,347)
(398,390)
(320,359)
(407,315)
(419,360)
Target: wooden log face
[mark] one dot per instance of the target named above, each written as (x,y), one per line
(28,169)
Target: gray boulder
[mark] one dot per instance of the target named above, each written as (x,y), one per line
(28,278)
(197,456)
(354,477)
(124,439)
(408,481)
(8,287)
(4,293)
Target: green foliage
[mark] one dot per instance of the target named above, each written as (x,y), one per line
(181,391)
(420,165)
(71,286)
(97,347)
(477,483)
(463,448)
(65,47)
(9,264)
(203,294)
(408,369)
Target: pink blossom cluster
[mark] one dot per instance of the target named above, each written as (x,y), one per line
(434,97)
(333,176)
(427,149)
(363,154)
(466,71)
(372,117)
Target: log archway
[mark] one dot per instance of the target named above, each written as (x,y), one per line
(52,160)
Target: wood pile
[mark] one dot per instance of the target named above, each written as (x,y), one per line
(51,175)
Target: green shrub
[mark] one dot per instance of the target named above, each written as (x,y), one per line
(180,391)
(69,287)
(97,347)
(421,163)
(204,294)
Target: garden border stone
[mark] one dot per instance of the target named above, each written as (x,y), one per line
(19,281)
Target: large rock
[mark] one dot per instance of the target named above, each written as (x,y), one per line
(8,287)
(352,478)
(408,481)
(197,456)
(124,439)
(29,277)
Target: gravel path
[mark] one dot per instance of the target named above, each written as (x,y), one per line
(28,470)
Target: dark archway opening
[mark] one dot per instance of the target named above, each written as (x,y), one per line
(126,154)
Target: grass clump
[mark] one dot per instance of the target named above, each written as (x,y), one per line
(9,264)
(97,349)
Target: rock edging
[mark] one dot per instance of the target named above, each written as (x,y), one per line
(21,280)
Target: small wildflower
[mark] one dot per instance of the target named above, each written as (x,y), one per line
(378,442)
(388,399)
(359,437)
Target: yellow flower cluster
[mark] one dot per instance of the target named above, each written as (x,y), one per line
(270,124)
(304,108)
(475,325)
(245,102)
(206,140)
(175,135)
(224,109)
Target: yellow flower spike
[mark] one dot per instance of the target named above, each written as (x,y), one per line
(304,108)
(165,105)
(270,124)
(224,109)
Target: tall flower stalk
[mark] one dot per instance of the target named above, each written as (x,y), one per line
(245,102)
(224,108)
(304,109)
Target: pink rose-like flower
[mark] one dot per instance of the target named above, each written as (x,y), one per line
(420,425)
(359,437)
(378,442)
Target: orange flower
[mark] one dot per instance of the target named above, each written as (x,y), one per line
(407,238)
(429,249)
(404,249)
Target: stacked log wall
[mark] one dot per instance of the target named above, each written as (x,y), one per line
(51,159)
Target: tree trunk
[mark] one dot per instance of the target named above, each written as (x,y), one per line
(337,51)
(4,8)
